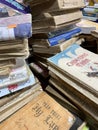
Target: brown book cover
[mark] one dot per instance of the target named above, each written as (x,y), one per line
(42,113)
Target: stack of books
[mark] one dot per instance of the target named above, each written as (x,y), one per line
(90,12)
(15,75)
(54,25)
(74,72)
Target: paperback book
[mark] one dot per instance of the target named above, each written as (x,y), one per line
(80,64)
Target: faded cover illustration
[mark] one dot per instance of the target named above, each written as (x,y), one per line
(80,64)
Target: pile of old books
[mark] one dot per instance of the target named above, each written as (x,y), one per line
(90,12)
(54,25)
(15,75)
(43,113)
(74,73)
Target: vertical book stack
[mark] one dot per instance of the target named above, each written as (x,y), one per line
(15,75)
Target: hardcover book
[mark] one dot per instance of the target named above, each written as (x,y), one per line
(80,64)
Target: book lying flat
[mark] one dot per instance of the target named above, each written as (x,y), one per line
(18,74)
(57,48)
(55,6)
(15,27)
(55,19)
(80,64)
(50,34)
(54,28)
(88,111)
(19,85)
(22,98)
(42,113)
(6,66)
(14,49)
(14,5)
(56,39)
(19,101)
(34,2)
(87,26)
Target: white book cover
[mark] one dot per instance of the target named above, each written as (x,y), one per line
(18,74)
(80,64)
(18,86)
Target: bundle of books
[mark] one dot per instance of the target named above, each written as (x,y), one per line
(15,75)
(54,25)
(90,12)
(74,73)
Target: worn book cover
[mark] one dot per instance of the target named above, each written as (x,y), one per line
(57,18)
(80,64)
(56,5)
(24,96)
(16,27)
(41,113)
(18,84)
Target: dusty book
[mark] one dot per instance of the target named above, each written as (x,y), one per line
(14,50)
(58,39)
(18,74)
(56,5)
(89,111)
(61,99)
(19,83)
(41,113)
(53,28)
(33,2)
(58,18)
(56,48)
(51,34)
(24,96)
(80,64)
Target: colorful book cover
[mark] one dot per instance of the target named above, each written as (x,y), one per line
(18,86)
(80,64)
(15,5)
(16,27)
(65,36)
(19,73)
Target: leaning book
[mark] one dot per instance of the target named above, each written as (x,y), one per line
(79,64)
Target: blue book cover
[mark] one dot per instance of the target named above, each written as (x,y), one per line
(16,27)
(65,36)
(80,64)
(16,6)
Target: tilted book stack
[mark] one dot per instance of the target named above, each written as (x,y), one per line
(74,72)
(54,25)
(15,75)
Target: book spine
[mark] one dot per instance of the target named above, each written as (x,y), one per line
(16,6)
(60,31)
(56,40)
